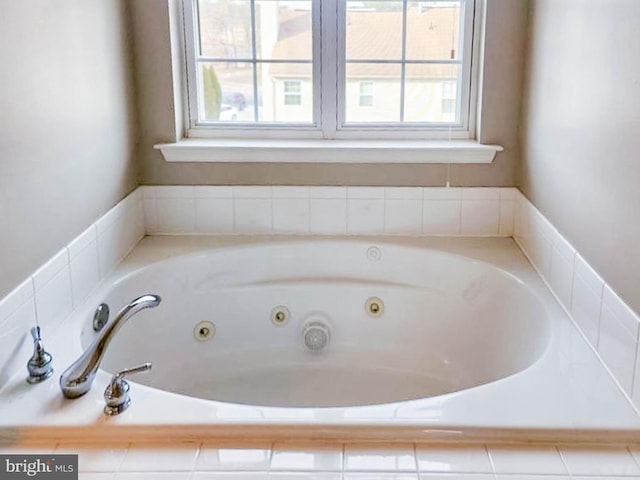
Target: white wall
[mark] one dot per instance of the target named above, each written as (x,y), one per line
(66,125)
(581,161)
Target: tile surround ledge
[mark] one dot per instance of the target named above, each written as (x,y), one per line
(75,271)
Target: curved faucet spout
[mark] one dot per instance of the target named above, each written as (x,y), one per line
(76,380)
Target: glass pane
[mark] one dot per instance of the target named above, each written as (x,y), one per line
(431,94)
(283,30)
(372,93)
(226,92)
(374,30)
(433,30)
(285,91)
(225,28)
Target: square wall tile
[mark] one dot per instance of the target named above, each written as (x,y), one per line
(304,476)
(14,300)
(252,215)
(453,459)
(213,191)
(562,269)
(391,458)
(252,192)
(441,193)
(231,476)
(327,192)
(54,301)
(403,217)
(150,457)
(365,215)
(507,218)
(250,457)
(85,272)
(176,215)
(365,193)
(520,459)
(480,217)
(82,241)
(585,308)
(328,215)
(403,193)
(15,342)
(480,193)
(310,457)
(617,347)
(95,459)
(291,215)
(599,461)
(153,475)
(51,269)
(214,215)
(290,192)
(150,215)
(441,217)
(175,191)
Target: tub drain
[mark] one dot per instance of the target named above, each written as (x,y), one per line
(316,335)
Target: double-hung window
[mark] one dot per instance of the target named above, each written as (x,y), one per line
(309,68)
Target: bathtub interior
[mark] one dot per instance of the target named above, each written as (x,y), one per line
(449,323)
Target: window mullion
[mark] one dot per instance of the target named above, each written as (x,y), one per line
(254,54)
(329,78)
(403,65)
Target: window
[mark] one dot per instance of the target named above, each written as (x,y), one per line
(292,92)
(242,55)
(448,102)
(366,94)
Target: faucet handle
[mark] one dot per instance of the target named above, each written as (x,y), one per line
(39,365)
(116,395)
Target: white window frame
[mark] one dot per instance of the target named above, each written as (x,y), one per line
(329,34)
(311,144)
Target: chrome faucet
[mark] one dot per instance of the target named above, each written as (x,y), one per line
(76,380)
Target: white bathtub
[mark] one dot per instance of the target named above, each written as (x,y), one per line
(436,323)
(467,346)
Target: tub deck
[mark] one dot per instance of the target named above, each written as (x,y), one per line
(567,396)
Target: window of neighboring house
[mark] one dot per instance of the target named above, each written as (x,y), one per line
(448,102)
(366,94)
(237,50)
(292,92)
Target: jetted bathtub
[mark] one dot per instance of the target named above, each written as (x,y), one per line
(401,339)
(326,324)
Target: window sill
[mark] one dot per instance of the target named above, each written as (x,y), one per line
(327,151)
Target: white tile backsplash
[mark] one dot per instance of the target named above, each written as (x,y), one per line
(609,325)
